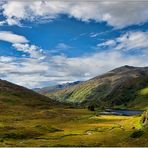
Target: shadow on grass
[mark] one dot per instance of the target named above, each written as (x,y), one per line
(48,129)
(137,134)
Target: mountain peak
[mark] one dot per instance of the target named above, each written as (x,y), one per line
(123,68)
(129,67)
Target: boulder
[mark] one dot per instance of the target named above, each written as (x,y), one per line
(144,119)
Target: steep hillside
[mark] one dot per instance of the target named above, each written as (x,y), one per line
(13,95)
(51,89)
(120,87)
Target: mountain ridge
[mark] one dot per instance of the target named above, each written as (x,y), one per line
(55,88)
(118,87)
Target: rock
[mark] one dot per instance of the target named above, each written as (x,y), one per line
(144,118)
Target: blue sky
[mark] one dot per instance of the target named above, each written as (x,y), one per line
(45,42)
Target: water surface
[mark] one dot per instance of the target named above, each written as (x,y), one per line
(125,112)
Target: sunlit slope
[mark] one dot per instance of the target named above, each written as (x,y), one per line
(120,86)
(141,100)
(60,127)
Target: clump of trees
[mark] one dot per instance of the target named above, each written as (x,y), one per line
(91,108)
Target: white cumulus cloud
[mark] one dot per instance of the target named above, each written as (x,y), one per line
(11,37)
(21,43)
(131,40)
(32,50)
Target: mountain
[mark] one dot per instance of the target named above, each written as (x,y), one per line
(126,86)
(15,95)
(51,89)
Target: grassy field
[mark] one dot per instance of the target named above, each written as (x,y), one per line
(68,127)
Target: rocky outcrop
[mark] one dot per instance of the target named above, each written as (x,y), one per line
(144,118)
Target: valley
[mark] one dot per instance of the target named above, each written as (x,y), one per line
(73,73)
(68,127)
(28,118)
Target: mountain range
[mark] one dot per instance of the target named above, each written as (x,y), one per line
(51,89)
(125,87)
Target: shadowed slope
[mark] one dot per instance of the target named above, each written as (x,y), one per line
(11,94)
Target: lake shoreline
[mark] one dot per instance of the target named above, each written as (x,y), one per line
(124,112)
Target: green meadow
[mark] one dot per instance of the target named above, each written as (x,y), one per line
(63,126)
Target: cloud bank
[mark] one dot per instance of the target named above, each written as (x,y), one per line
(118,14)
(58,69)
(39,68)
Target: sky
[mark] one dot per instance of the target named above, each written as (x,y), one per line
(49,42)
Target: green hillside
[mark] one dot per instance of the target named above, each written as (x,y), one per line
(119,87)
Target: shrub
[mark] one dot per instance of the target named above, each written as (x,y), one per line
(20,135)
(137,134)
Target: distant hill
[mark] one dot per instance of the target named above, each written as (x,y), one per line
(126,87)
(15,95)
(51,89)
